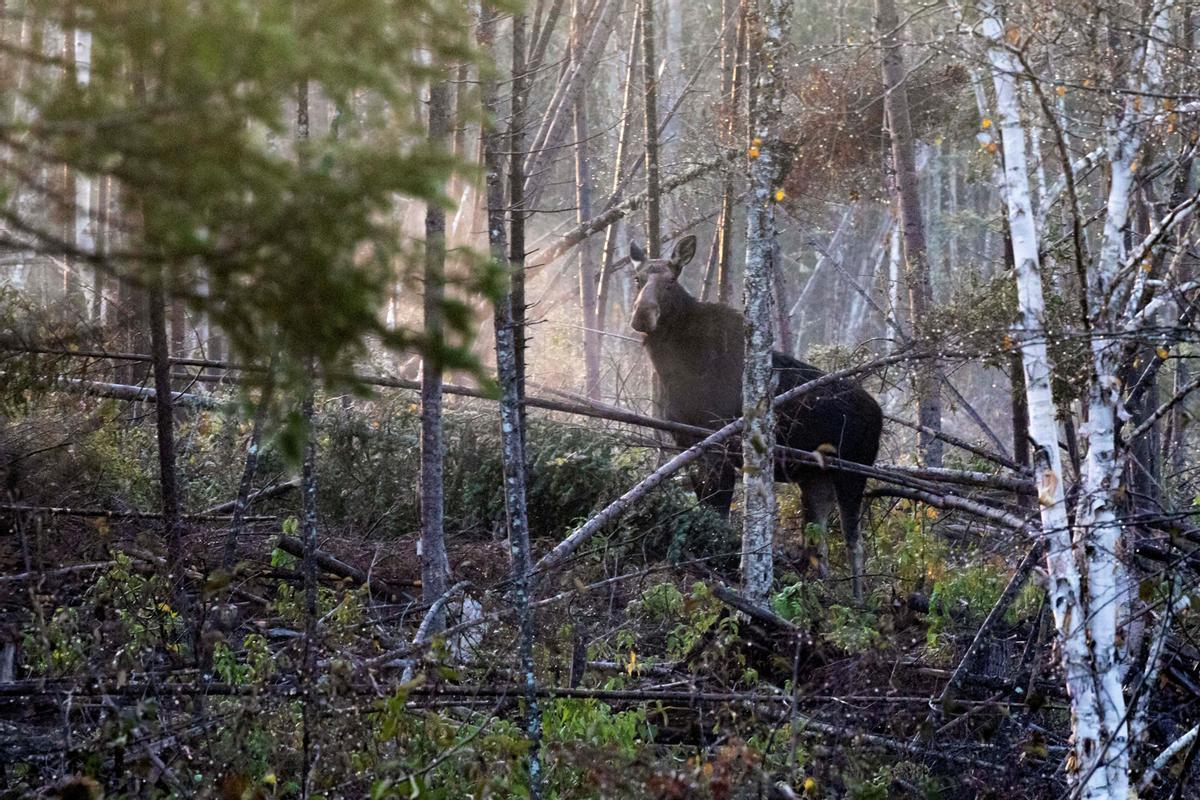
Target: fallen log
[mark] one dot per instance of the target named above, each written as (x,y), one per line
(112,513)
(336,567)
(579,406)
(261,494)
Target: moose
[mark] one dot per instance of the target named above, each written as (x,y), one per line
(697,350)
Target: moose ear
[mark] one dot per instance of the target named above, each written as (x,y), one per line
(636,255)
(683,253)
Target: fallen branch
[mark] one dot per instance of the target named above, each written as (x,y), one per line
(948,501)
(194,575)
(435,610)
(110,513)
(1165,757)
(339,568)
(1158,413)
(998,610)
(262,494)
(626,207)
(962,444)
(24,576)
(740,603)
(141,394)
(579,406)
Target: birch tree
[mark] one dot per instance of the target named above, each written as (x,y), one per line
(1087,624)
(758,380)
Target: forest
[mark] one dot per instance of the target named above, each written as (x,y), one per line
(565,399)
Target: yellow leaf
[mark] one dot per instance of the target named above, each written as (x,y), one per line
(708,769)
(931,512)
(1147,266)
(991,148)
(810,785)
(1013,34)
(1006,342)
(269,779)
(753,152)
(1167,104)
(1060,90)
(987,123)
(779,195)
(756,141)
(1134,166)
(1162,352)
(632,666)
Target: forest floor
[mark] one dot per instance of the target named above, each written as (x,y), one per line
(656,679)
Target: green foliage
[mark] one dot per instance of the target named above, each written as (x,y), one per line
(853,630)
(369,480)
(966,594)
(570,721)
(125,620)
(290,248)
(799,601)
(685,619)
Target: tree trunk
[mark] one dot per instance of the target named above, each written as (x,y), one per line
(512,443)
(575,75)
(516,199)
(84,234)
(245,486)
(435,566)
(650,93)
(308,499)
(1092,750)
(178,328)
(920,290)
(758,379)
(165,426)
(733,57)
(610,233)
(101,244)
(583,212)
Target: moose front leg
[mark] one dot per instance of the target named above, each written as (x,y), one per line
(715,479)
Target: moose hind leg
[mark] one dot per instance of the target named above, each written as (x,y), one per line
(849,498)
(817,499)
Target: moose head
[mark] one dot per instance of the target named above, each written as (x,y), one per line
(659,291)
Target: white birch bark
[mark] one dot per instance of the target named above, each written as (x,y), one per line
(1096,516)
(1066,601)
(758,384)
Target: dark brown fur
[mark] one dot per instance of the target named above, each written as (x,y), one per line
(697,350)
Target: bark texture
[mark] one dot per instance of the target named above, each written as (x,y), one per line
(758,381)
(435,566)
